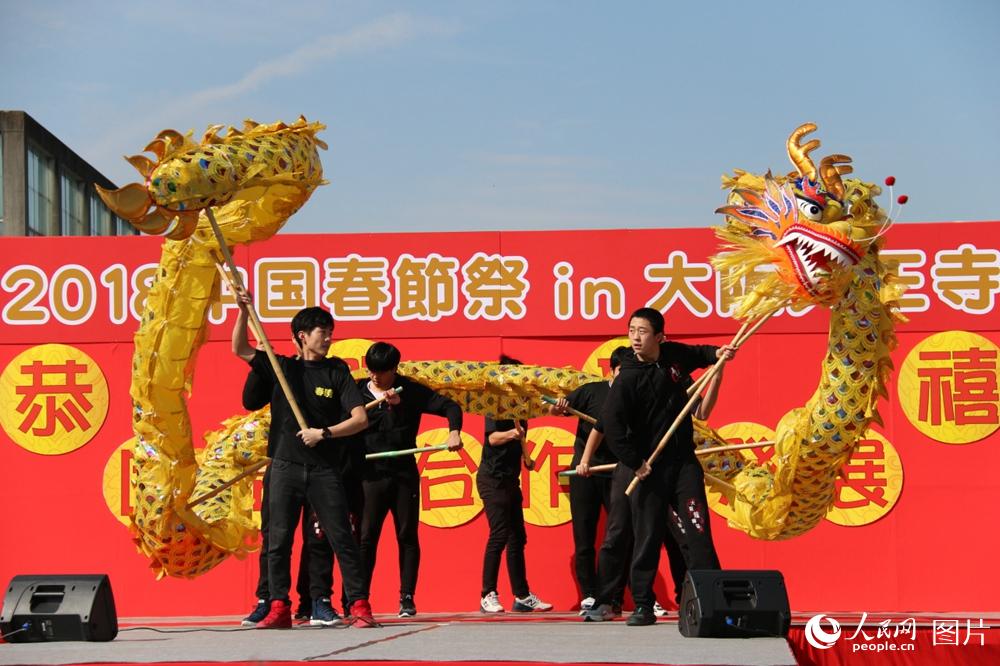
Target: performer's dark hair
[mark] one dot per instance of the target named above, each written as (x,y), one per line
(382,356)
(507,360)
(654,317)
(307,319)
(618,355)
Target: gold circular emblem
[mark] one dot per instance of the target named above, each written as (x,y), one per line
(597,362)
(741,432)
(869,485)
(54,399)
(548,494)
(353,351)
(448,493)
(948,387)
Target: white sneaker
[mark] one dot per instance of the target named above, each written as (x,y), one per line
(530,603)
(658,610)
(586,605)
(490,604)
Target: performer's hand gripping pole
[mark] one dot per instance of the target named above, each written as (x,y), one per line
(378,401)
(580,415)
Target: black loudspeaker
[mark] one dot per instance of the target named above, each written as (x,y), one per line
(59,608)
(734,604)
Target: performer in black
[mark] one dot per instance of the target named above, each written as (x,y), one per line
(498,482)
(315,576)
(589,493)
(392,485)
(644,401)
(308,464)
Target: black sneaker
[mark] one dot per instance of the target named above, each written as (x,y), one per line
(260,611)
(406,606)
(323,614)
(303,612)
(642,616)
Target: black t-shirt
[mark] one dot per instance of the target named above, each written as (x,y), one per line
(326,394)
(504,461)
(395,427)
(589,399)
(645,400)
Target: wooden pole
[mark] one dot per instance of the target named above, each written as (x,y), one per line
(731,447)
(252,469)
(719,482)
(405,452)
(258,328)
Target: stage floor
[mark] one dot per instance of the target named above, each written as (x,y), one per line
(550,637)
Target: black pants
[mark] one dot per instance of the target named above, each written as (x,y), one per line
(616,549)
(677,557)
(587,495)
(677,485)
(314,581)
(399,496)
(316,560)
(291,486)
(502,502)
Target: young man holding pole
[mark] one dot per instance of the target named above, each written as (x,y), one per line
(309,461)
(392,484)
(648,400)
(589,493)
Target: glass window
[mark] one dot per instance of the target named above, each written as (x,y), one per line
(100,218)
(71,204)
(41,194)
(124,228)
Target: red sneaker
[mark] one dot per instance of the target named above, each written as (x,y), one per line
(361,615)
(280,616)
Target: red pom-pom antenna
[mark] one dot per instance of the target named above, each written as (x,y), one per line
(902,199)
(890,181)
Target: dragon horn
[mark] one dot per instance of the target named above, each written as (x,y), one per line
(157,146)
(142,164)
(130,202)
(799,153)
(831,168)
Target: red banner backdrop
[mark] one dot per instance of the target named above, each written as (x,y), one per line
(912,528)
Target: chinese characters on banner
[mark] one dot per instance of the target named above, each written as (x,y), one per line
(540,289)
(867,489)
(948,387)
(54,398)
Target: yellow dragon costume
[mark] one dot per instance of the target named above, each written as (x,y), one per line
(819,232)
(255,179)
(819,235)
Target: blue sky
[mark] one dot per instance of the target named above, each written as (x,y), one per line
(531,115)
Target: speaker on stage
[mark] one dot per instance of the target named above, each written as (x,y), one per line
(734,604)
(59,608)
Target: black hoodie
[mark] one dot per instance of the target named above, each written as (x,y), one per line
(646,398)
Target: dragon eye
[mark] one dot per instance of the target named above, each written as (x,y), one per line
(810,210)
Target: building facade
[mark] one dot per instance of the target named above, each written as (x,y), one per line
(46,189)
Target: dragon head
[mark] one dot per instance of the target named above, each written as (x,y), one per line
(808,229)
